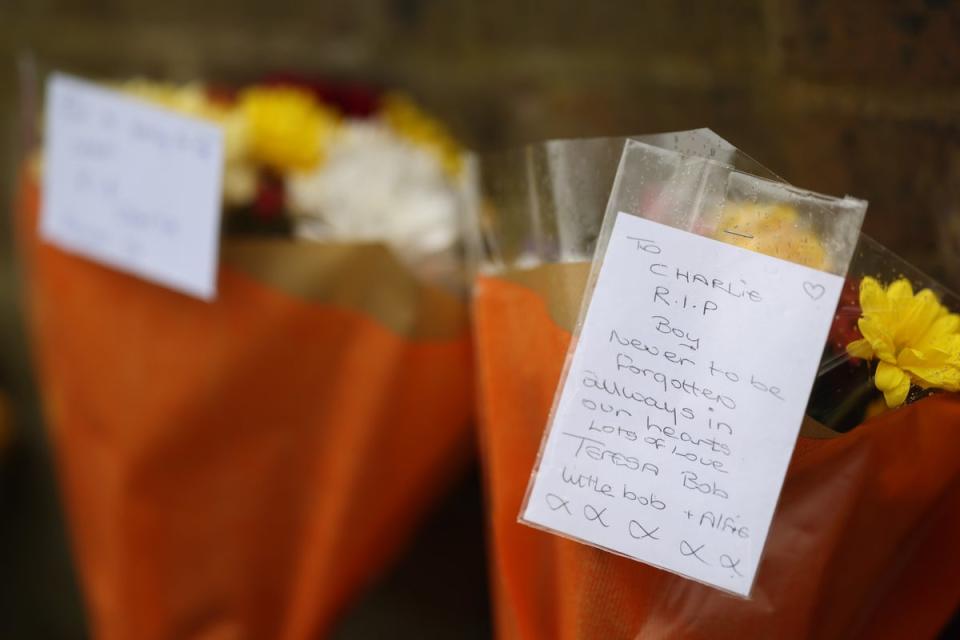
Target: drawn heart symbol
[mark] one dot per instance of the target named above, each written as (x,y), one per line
(815,291)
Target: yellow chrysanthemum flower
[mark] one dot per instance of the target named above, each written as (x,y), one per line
(774,230)
(410,122)
(915,338)
(287,128)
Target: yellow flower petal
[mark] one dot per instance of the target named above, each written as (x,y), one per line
(875,331)
(873,298)
(922,358)
(941,331)
(932,368)
(896,397)
(947,323)
(860,349)
(899,293)
(893,382)
(286,127)
(917,315)
(888,376)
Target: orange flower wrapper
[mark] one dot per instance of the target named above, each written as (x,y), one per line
(863,543)
(243,468)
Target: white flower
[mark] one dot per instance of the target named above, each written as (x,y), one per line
(377,187)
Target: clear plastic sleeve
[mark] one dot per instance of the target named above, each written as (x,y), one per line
(865,518)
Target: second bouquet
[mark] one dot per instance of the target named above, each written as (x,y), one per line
(242,468)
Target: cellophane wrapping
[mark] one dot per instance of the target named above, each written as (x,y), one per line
(862,542)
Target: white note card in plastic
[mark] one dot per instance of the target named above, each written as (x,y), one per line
(682,402)
(132,186)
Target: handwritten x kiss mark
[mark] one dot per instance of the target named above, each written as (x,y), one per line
(556,503)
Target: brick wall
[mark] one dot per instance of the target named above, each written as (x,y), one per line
(855,97)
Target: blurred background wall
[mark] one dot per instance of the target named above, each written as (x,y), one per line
(854,97)
(842,97)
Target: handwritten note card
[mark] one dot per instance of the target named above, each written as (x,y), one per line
(682,402)
(132,186)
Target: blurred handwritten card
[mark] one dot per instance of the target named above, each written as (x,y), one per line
(132,186)
(682,402)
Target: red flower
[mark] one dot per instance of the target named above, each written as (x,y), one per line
(350,99)
(271,197)
(220,94)
(844,329)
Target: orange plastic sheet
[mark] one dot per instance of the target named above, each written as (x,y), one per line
(241,469)
(865,542)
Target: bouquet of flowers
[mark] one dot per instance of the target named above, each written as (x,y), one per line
(862,543)
(244,467)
